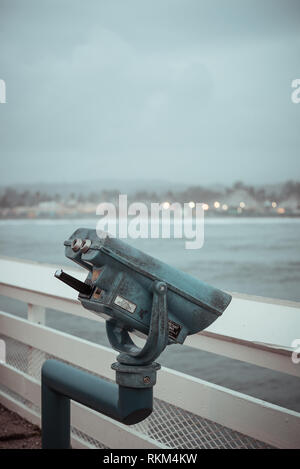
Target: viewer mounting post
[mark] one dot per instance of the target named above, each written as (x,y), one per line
(129,400)
(62,383)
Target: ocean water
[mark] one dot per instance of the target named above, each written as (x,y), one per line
(259,256)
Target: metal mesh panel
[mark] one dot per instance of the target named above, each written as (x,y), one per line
(88,439)
(16,353)
(179,428)
(170,425)
(14,395)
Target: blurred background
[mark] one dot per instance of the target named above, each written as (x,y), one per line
(169,100)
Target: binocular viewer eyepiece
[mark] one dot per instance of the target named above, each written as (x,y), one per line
(126,286)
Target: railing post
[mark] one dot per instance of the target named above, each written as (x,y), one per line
(36,314)
(2,351)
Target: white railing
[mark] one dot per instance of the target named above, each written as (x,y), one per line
(189,412)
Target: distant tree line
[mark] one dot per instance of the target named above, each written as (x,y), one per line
(11,197)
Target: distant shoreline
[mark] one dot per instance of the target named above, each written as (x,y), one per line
(81,216)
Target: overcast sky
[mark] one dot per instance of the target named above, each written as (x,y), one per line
(191,91)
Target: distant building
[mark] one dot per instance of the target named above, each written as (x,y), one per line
(292,204)
(240,198)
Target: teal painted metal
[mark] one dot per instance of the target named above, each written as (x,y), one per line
(62,382)
(121,281)
(157,339)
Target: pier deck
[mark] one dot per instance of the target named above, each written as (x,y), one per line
(17,433)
